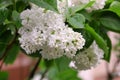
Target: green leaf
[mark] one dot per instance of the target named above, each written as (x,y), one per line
(111,22)
(5,40)
(2,48)
(11,54)
(62,63)
(77,8)
(115,7)
(6,37)
(25,1)
(47,4)
(88,16)
(103,34)
(48,63)
(3,14)
(5,3)
(52,73)
(109,1)
(42,65)
(76,21)
(11,27)
(69,74)
(15,15)
(3,75)
(21,5)
(99,40)
(16,19)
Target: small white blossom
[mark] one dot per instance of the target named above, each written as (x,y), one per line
(88,58)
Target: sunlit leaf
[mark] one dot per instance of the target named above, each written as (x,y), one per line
(100,41)
(115,7)
(77,8)
(76,21)
(62,63)
(110,22)
(11,54)
(47,4)
(68,74)
(16,19)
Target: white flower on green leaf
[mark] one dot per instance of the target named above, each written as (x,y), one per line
(88,58)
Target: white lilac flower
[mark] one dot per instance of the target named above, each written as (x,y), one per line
(63,4)
(46,31)
(88,58)
(63,7)
(98,4)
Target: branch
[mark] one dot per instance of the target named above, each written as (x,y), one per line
(6,51)
(34,69)
(43,75)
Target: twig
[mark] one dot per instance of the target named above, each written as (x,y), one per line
(34,69)
(43,75)
(1,65)
(6,51)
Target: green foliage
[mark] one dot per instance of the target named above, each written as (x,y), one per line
(99,40)
(77,8)
(115,7)
(103,34)
(11,54)
(92,25)
(5,3)
(109,1)
(76,21)
(16,18)
(88,38)
(4,41)
(3,75)
(47,4)
(8,47)
(66,74)
(59,69)
(48,63)
(21,5)
(3,14)
(62,63)
(111,22)
(2,49)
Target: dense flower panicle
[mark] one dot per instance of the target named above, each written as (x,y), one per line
(46,31)
(88,58)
